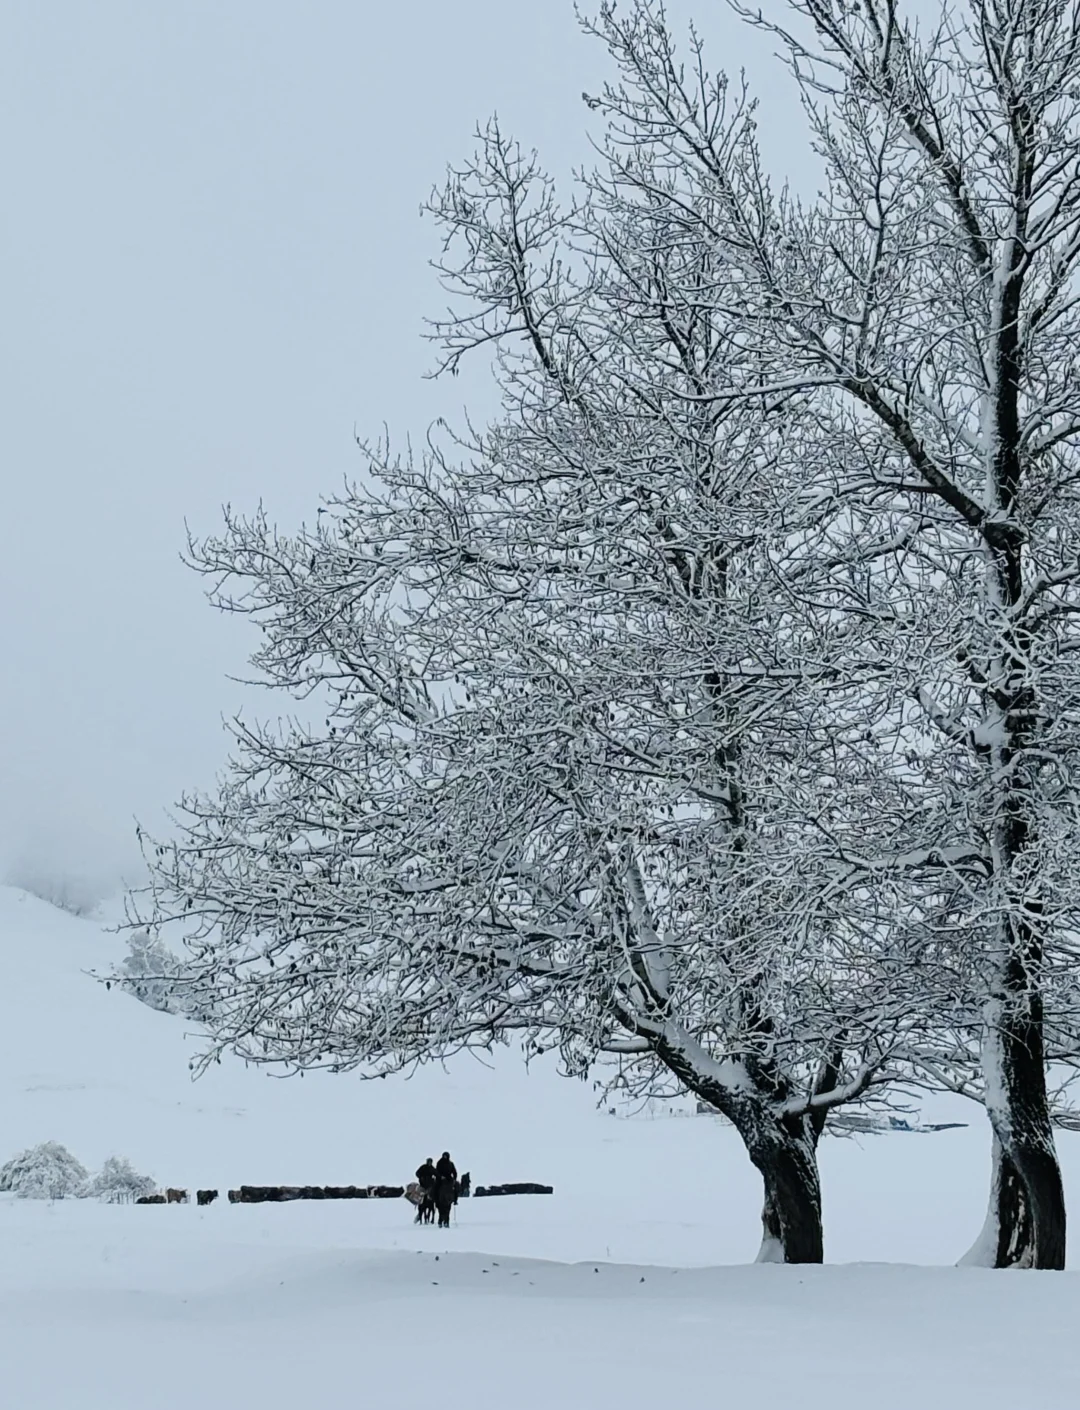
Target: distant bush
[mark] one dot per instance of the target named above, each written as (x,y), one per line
(48,1171)
(118,1183)
(154,974)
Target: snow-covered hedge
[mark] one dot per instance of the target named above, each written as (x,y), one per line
(118,1183)
(48,1171)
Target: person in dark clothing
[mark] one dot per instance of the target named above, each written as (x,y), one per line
(445,1188)
(446,1169)
(425,1178)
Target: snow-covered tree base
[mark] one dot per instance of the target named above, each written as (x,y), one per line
(1025,1222)
(1010,1236)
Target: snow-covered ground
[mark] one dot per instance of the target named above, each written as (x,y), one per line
(630,1286)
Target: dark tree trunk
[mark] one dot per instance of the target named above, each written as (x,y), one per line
(1006,1237)
(1032,1198)
(785,1155)
(1025,1222)
(1014,1229)
(1030,1208)
(1025,1225)
(783,1149)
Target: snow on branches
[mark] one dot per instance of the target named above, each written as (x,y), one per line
(716,707)
(118,1182)
(576,706)
(47,1171)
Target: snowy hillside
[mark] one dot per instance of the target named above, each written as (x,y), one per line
(284,1304)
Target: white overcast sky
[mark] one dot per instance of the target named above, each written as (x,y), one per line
(213,268)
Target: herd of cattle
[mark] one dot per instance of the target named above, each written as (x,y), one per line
(180,1197)
(277,1194)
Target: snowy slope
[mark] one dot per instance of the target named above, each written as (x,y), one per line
(608,1293)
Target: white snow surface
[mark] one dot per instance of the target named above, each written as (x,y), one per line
(631,1286)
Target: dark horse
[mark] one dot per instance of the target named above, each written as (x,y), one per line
(445,1199)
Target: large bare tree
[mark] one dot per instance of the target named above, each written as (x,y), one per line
(928,299)
(716,707)
(584,712)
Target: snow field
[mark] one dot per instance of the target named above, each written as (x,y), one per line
(613,1292)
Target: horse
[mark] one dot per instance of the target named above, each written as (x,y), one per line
(446,1193)
(421,1198)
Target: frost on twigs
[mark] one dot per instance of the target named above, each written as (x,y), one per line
(47,1171)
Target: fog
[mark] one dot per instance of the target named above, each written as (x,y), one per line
(215,271)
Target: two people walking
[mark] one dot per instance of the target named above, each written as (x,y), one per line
(438,1190)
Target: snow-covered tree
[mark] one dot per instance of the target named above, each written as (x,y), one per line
(118,1182)
(928,302)
(585,712)
(47,1171)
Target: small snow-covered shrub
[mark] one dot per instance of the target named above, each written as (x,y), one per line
(154,974)
(117,1182)
(48,1171)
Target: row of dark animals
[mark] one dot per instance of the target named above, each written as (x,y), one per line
(277,1194)
(180,1197)
(280,1194)
(266,1194)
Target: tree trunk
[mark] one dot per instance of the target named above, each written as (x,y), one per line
(786,1156)
(783,1149)
(1025,1221)
(1006,1237)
